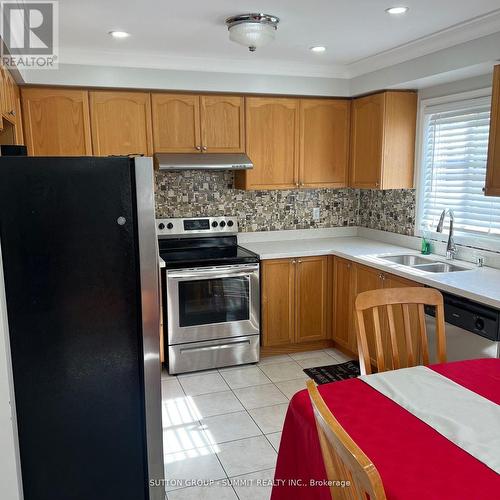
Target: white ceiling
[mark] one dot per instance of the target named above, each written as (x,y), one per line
(188,34)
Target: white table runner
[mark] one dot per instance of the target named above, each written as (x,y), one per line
(467,419)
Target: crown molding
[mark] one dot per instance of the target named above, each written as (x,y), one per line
(217,65)
(453,35)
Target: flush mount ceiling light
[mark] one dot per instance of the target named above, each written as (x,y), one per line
(252,30)
(396,11)
(119,34)
(318,48)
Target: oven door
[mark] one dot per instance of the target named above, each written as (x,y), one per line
(209,303)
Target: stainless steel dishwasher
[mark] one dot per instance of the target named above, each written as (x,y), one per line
(472,329)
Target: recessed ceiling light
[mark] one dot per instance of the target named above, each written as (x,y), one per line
(395,11)
(318,48)
(119,34)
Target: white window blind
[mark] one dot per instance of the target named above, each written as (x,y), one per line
(455,150)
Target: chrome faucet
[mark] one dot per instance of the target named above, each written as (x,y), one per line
(451,248)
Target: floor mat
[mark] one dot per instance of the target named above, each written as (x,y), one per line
(334,373)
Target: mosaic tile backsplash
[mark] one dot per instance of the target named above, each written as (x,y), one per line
(392,210)
(198,193)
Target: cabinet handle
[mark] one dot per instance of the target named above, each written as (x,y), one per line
(301,184)
(294,261)
(299,261)
(376,184)
(204,148)
(296,184)
(198,148)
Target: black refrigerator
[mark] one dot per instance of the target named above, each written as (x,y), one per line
(80,262)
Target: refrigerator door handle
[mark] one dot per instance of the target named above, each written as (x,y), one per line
(150,305)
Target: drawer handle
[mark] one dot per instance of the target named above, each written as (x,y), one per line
(213,347)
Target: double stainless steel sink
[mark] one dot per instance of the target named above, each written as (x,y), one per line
(423,264)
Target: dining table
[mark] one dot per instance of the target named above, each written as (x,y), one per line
(414,460)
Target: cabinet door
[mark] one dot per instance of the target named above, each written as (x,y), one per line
(272,126)
(367,278)
(121,123)
(56,122)
(222,124)
(391,281)
(3,91)
(312,299)
(324,142)
(492,187)
(344,328)
(278,302)
(367,141)
(176,123)
(8,95)
(19,122)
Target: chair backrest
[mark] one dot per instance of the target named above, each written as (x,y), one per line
(344,460)
(385,340)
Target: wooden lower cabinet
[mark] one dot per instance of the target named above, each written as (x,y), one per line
(295,301)
(342,318)
(278,302)
(349,280)
(311,299)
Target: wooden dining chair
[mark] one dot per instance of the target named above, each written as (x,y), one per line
(393,348)
(343,459)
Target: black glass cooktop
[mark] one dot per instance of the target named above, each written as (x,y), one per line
(197,252)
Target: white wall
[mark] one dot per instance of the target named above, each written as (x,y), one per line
(10,478)
(465,85)
(204,81)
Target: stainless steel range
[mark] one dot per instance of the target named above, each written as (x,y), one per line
(211,294)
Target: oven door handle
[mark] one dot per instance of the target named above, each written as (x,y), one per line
(226,345)
(202,273)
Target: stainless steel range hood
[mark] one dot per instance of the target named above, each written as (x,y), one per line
(202,161)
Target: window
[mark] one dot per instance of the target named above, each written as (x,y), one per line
(453,163)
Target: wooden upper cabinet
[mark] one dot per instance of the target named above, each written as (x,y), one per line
(11,130)
(324,142)
(272,128)
(222,124)
(19,122)
(366,140)
(278,302)
(8,94)
(176,123)
(188,123)
(120,123)
(56,121)
(312,299)
(492,187)
(383,128)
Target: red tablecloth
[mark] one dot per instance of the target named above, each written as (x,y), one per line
(414,461)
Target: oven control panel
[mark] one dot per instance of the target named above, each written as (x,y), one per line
(196,226)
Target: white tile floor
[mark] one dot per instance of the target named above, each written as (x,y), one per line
(225,425)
